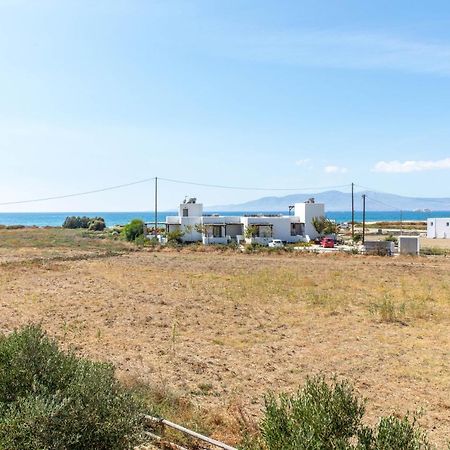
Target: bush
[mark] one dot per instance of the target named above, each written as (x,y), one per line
(175,237)
(97,224)
(391,238)
(318,416)
(399,433)
(133,230)
(53,400)
(323,416)
(91,223)
(324,226)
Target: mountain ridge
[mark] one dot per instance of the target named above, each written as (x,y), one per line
(341,201)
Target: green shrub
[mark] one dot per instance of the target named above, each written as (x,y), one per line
(175,237)
(391,238)
(399,433)
(91,223)
(324,226)
(317,416)
(53,400)
(326,416)
(133,230)
(97,224)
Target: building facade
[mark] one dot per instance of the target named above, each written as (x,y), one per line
(253,228)
(438,227)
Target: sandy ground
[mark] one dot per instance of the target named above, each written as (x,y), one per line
(223,329)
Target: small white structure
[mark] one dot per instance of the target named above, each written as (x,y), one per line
(408,245)
(257,228)
(438,227)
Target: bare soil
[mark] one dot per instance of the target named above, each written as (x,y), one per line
(222,329)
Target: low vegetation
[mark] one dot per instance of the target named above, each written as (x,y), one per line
(134,230)
(324,226)
(51,399)
(326,416)
(405,225)
(90,223)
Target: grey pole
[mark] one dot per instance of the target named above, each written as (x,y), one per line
(353,212)
(364,219)
(156,206)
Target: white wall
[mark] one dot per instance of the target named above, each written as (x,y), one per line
(194,209)
(306,212)
(438,228)
(281,225)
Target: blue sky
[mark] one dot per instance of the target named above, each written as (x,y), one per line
(248,93)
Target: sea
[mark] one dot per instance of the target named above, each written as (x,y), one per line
(56,219)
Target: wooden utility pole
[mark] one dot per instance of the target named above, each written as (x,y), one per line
(364,219)
(156,206)
(353,211)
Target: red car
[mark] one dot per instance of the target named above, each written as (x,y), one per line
(327,243)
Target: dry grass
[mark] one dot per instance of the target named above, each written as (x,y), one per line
(220,330)
(35,244)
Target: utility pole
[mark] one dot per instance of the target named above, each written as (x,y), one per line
(156,206)
(401,222)
(364,219)
(353,211)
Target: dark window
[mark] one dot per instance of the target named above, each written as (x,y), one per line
(296,229)
(217,231)
(185,212)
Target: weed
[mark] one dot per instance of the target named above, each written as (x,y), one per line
(388,311)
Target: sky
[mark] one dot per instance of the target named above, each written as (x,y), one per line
(298,95)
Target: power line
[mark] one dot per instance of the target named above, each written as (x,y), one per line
(78,194)
(247,188)
(169,180)
(383,203)
(396,208)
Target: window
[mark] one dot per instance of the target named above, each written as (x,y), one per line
(217,231)
(264,231)
(296,229)
(185,212)
(431,224)
(448,224)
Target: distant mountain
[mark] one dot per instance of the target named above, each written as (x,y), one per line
(341,201)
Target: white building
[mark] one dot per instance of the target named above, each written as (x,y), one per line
(438,227)
(216,229)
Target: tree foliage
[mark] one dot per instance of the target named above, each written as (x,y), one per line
(91,223)
(324,226)
(133,230)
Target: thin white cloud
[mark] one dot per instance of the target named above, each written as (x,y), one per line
(411,166)
(353,50)
(335,169)
(303,162)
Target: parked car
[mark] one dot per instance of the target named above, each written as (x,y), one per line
(276,243)
(327,243)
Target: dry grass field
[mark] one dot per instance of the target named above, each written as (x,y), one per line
(219,329)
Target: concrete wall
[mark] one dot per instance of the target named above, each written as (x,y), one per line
(408,245)
(379,248)
(438,228)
